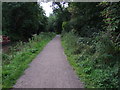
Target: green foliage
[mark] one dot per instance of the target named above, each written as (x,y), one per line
(22,19)
(94,51)
(85,18)
(17,59)
(90,36)
(50,25)
(95,59)
(66,26)
(111,19)
(61,14)
(111,15)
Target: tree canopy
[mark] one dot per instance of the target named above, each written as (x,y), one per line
(21,20)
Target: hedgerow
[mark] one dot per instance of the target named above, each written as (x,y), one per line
(95,59)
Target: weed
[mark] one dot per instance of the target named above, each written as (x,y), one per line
(95,59)
(19,56)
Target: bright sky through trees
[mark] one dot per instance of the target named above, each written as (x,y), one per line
(46,7)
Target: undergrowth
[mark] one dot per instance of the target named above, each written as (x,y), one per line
(95,59)
(16,60)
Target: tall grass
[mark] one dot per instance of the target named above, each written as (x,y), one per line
(18,57)
(95,60)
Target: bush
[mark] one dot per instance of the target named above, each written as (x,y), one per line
(95,59)
(66,26)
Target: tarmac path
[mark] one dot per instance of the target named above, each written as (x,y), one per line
(50,69)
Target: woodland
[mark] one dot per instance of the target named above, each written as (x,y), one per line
(90,35)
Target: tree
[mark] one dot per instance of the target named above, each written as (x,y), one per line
(85,17)
(22,20)
(50,24)
(61,13)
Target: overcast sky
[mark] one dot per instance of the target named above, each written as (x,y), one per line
(46,7)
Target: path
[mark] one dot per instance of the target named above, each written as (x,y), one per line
(49,69)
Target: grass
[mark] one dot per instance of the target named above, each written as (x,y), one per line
(17,60)
(72,60)
(78,70)
(95,62)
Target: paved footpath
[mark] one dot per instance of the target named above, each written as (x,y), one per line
(50,69)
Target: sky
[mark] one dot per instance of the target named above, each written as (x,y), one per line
(46,7)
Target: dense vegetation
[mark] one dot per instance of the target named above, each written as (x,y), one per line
(22,20)
(16,60)
(90,36)
(91,39)
(95,60)
(25,24)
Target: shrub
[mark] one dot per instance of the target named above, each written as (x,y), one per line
(66,26)
(96,59)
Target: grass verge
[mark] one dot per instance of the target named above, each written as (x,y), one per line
(72,60)
(18,58)
(95,60)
